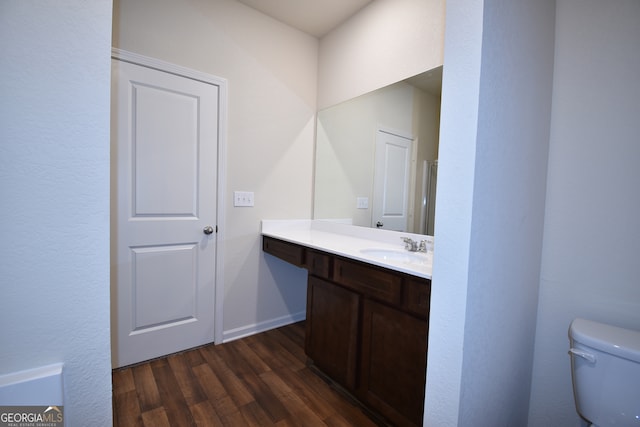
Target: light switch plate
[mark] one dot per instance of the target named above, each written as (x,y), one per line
(362,203)
(243,198)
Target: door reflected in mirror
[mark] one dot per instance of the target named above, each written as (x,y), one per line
(376,157)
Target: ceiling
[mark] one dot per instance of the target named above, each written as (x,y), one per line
(315,17)
(318,17)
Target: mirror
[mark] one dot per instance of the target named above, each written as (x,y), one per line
(376,157)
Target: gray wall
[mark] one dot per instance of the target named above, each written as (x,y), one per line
(592,233)
(496,103)
(54,183)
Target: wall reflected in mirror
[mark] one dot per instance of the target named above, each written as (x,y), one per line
(376,157)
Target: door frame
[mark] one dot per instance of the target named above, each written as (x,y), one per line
(221,83)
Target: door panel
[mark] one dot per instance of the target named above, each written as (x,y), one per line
(164,285)
(165,172)
(164,151)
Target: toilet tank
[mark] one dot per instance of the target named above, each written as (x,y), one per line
(605,365)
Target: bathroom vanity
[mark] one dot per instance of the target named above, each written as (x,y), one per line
(367,310)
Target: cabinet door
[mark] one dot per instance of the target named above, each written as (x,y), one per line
(332,330)
(394,358)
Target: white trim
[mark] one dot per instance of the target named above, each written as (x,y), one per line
(263,326)
(221,83)
(220,203)
(166,67)
(38,386)
(396,132)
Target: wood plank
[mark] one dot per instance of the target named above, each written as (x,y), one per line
(297,408)
(233,419)
(295,332)
(347,409)
(204,415)
(266,350)
(252,360)
(127,410)
(214,389)
(232,384)
(239,363)
(336,420)
(255,415)
(186,379)
(175,405)
(123,381)
(287,423)
(193,357)
(147,390)
(269,401)
(156,418)
(313,398)
(273,354)
(290,346)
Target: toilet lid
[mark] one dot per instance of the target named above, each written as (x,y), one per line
(607,338)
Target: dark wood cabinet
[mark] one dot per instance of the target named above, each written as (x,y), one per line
(369,280)
(366,329)
(292,253)
(332,330)
(319,264)
(393,363)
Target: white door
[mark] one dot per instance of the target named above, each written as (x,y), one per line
(164,151)
(390,209)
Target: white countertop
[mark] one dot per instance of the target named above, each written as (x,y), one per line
(359,243)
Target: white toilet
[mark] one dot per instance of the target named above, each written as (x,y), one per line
(605,367)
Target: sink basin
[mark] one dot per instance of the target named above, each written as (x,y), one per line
(392,255)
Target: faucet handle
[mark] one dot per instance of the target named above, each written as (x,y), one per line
(410,244)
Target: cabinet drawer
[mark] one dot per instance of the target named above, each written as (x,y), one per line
(417,295)
(286,251)
(373,282)
(318,264)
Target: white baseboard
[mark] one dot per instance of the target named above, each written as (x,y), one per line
(266,325)
(38,386)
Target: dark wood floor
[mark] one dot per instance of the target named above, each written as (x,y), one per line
(262,380)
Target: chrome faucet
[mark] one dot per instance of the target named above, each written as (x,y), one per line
(413,246)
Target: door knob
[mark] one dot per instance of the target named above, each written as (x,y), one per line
(208,229)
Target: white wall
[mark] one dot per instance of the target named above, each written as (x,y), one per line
(54,183)
(271,70)
(592,233)
(458,124)
(494,137)
(387,41)
(508,210)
